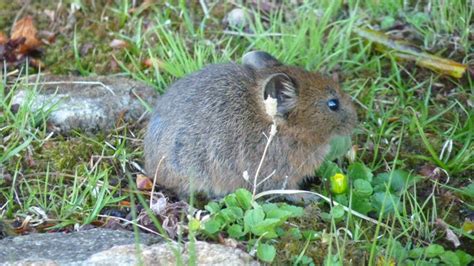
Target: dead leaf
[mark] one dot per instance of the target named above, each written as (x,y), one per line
(85,48)
(47,37)
(118,44)
(8,50)
(450,235)
(3,38)
(169,214)
(143,182)
(430,171)
(152,62)
(114,66)
(25,28)
(124,203)
(50,14)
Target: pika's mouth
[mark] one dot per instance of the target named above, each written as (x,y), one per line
(347,126)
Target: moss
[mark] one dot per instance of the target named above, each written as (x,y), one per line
(65,155)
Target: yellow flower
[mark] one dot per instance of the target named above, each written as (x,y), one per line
(339,183)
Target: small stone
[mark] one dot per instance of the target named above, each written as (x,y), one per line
(236,18)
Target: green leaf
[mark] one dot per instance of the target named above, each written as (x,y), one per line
(295,211)
(244,198)
(360,171)
(464,258)
(434,250)
(232,213)
(397,183)
(416,253)
(279,214)
(212,207)
(387,22)
(266,252)
(269,206)
(419,18)
(332,260)
(295,233)
(450,258)
(468,191)
(253,217)
(266,228)
(362,188)
(212,226)
(302,260)
(362,205)
(231,200)
(235,231)
(311,234)
(337,212)
(328,169)
(342,199)
(399,252)
(385,201)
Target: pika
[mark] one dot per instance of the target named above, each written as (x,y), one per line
(208,128)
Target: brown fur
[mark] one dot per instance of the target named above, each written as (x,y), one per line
(209,128)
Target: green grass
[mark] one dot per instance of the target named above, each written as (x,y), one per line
(407,114)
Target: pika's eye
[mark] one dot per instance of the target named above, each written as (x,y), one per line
(333,104)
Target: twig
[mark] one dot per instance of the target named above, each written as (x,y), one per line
(265,179)
(273,132)
(154,181)
(205,10)
(134,223)
(256,35)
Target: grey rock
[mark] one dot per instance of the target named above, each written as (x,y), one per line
(110,247)
(85,104)
(236,18)
(202,253)
(65,249)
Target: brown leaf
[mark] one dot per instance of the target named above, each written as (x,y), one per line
(25,28)
(124,203)
(47,37)
(3,38)
(430,171)
(114,66)
(450,235)
(143,182)
(152,62)
(36,63)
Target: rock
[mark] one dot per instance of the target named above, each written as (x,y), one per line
(112,247)
(64,249)
(236,18)
(85,104)
(162,254)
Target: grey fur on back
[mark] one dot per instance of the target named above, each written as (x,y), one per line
(188,142)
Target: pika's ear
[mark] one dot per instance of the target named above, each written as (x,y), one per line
(259,60)
(281,87)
